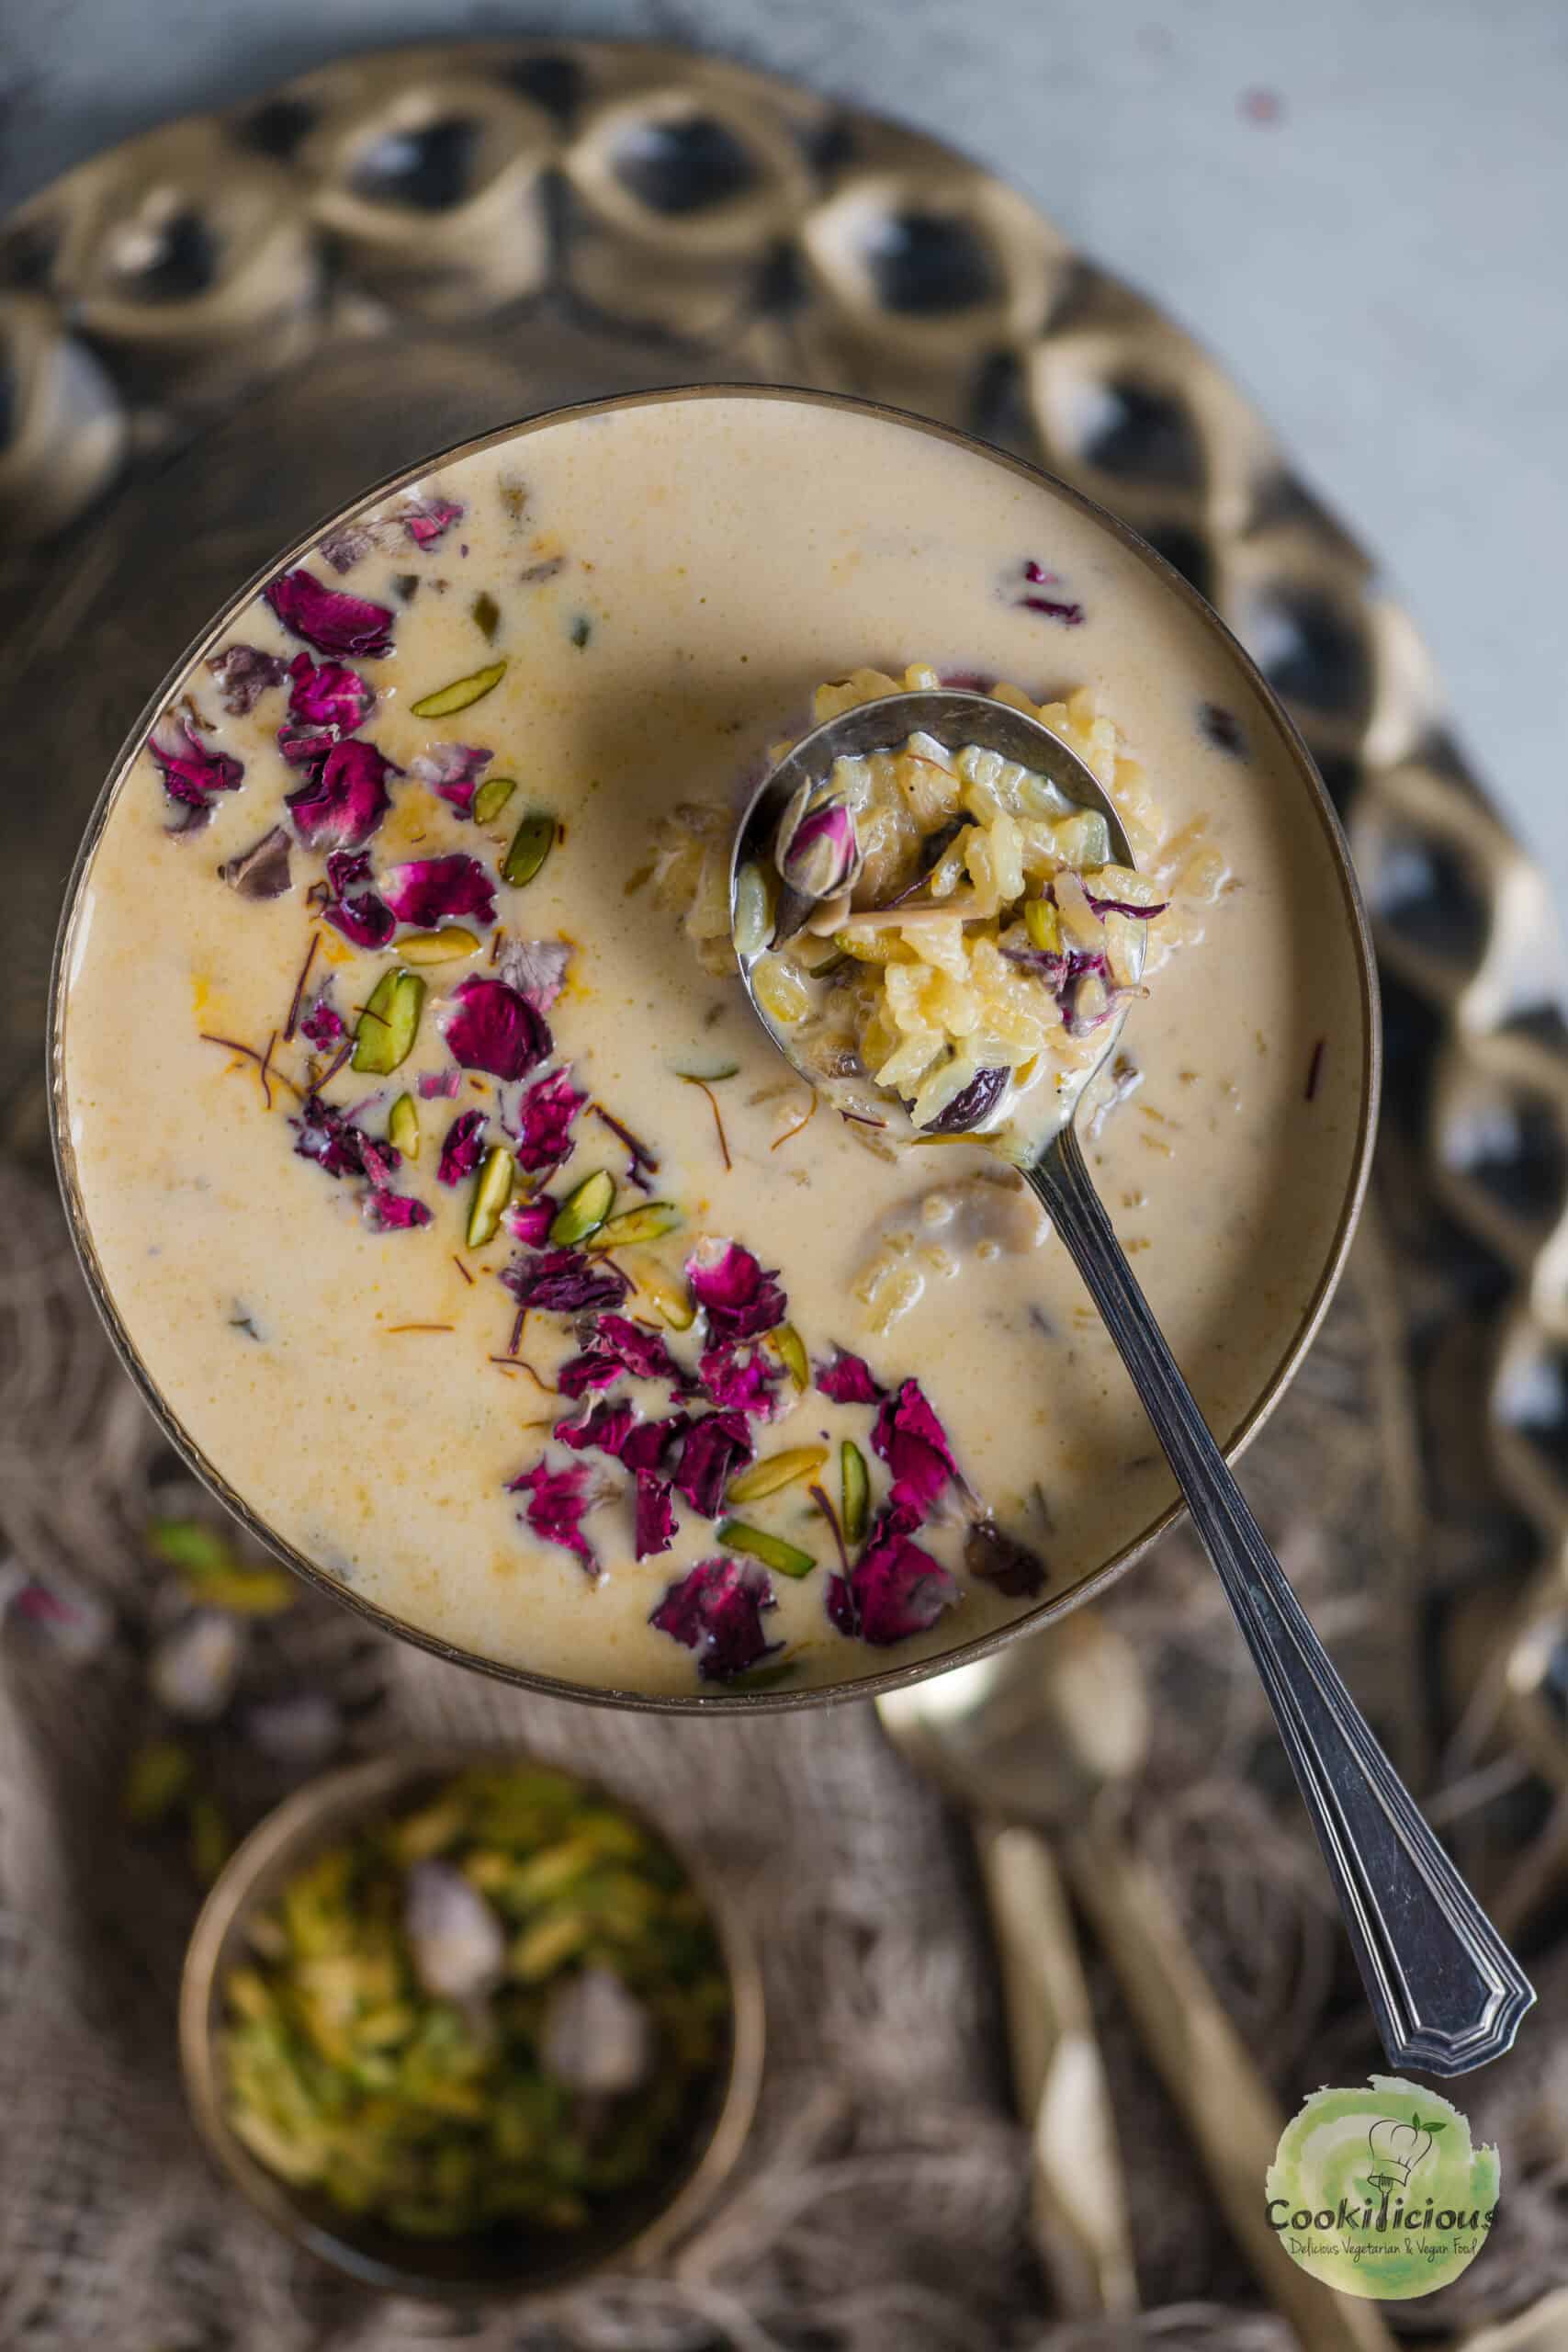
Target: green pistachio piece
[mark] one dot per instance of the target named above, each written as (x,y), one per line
(460,693)
(486,613)
(492,797)
(212,1574)
(211,1840)
(492,1189)
(790,1349)
(672,1299)
(774,1472)
(448,945)
(1043,925)
(754,912)
(389,1022)
(530,844)
(854,1488)
(649,1223)
(402,1126)
(584,1210)
(159,1775)
(772,1550)
(766,1677)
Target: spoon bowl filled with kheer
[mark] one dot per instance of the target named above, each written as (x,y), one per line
(446,1197)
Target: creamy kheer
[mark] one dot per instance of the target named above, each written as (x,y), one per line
(408,1130)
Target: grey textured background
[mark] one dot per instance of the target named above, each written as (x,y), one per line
(1362,205)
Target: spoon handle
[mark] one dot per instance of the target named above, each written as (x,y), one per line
(1445,1991)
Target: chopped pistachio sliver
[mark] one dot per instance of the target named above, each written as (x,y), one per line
(668,1295)
(486,613)
(790,1349)
(460,693)
(211,1840)
(854,1488)
(753,913)
(775,1471)
(584,1210)
(390,1023)
(492,1189)
(1043,925)
(492,797)
(772,1550)
(766,1677)
(530,844)
(710,1076)
(212,1574)
(649,1223)
(453,942)
(159,1775)
(402,1126)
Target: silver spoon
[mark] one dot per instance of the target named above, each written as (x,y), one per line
(1446,1993)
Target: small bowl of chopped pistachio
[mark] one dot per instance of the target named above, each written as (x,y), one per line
(463,2024)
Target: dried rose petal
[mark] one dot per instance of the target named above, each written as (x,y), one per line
(260,870)
(343,547)
(245,673)
(463,1149)
(742,1379)
(641,1353)
(742,1300)
(607,1428)
(1055,608)
(428,889)
(493,1028)
(565,1281)
(345,798)
(323,1025)
(326,693)
(305,747)
(439,1085)
(328,619)
(655,1515)
(452,770)
(531,1219)
(536,969)
(649,1442)
(718,1610)
(354,909)
(427,517)
(848,1380)
(557,1502)
(1000,1559)
(711,1452)
(544,1121)
(329,1138)
(911,1441)
(191,773)
(390,1212)
(580,1374)
(894,1588)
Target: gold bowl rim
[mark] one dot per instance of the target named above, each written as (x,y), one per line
(894,1678)
(333,1802)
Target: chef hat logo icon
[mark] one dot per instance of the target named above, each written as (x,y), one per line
(1398,2148)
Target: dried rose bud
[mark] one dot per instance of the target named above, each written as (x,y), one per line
(818,852)
(458,1942)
